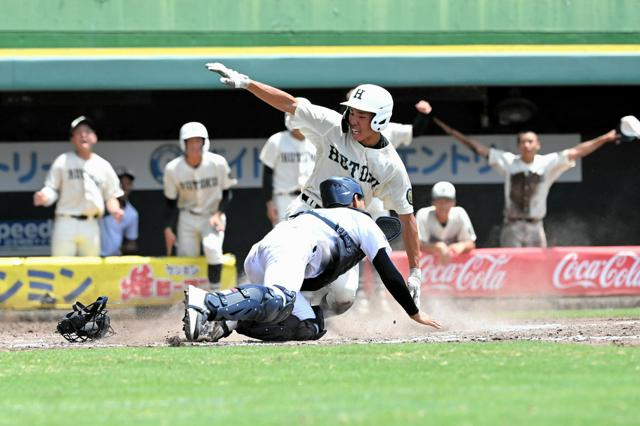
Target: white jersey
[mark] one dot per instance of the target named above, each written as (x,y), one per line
(81,186)
(292,161)
(527,185)
(380,172)
(458,227)
(198,189)
(308,235)
(398,135)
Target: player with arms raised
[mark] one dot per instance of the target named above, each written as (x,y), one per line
(350,145)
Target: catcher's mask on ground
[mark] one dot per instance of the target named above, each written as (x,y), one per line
(86,322)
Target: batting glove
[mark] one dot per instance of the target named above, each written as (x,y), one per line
(414,282)
(229,77)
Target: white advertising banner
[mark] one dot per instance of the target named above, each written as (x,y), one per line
(23,166)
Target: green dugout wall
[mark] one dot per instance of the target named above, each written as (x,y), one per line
(163,44)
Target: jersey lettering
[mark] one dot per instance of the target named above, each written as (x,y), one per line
(75,174)
(352,167)
(192,185)
(296,157)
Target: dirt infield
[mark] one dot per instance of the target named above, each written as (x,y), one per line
(19,331)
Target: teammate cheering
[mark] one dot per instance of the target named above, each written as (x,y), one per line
(304,253)
(347,145)
(81,182)
(445,229)
(528,177)
(197,184)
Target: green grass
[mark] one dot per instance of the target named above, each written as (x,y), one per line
(372,384)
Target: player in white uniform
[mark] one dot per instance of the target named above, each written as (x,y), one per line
(197,184)
(528,177)
(348,145)
(444,228)
(288,159)
(401,135)
(304,253)
(82,183)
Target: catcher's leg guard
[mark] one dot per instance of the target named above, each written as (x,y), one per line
(250,302)
(290,329)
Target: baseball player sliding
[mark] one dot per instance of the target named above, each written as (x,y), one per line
(528,177)
(350,145)
(197,192)
(82,183)
(288,158)
(304,253)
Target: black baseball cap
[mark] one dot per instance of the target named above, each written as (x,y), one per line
(81,120)
(123,171)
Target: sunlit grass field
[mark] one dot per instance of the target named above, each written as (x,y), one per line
(367,384)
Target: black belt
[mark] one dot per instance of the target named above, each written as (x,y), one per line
(523,219)
(309,201)
(79,216)
(293,193)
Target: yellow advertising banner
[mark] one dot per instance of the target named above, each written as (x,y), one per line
(58,282)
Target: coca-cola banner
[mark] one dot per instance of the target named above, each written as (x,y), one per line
(560,271)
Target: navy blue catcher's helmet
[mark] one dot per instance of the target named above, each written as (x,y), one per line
(338,191)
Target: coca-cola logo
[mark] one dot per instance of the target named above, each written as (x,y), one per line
(481,272)
(620,270)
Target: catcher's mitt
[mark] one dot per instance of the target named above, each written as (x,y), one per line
(390,226)
(86,322)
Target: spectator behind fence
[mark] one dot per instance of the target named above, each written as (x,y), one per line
(120,238)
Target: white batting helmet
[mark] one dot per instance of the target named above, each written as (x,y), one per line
(443,190)
(289,119)
(194,129)
(375,99)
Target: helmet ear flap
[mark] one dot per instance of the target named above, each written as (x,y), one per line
(345,120)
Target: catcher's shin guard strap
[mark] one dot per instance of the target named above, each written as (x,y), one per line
(251,302)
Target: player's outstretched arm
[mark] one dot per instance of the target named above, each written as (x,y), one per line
(585,148)
(393,281)
(425,319)
(476,146)
(279,99)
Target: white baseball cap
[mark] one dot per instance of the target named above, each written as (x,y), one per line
(443,190)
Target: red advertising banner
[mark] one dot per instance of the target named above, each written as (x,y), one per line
(521,272)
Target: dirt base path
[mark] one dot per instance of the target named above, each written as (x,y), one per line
(19,331)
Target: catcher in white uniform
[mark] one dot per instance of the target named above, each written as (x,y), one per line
(82,183)
(348,144)
(288,159)
(444,228)
(528,177)
(304,253)
(197,192)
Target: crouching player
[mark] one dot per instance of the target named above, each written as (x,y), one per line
(306,253)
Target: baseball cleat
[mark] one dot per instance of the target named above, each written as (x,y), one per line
(195,314)
(214,330)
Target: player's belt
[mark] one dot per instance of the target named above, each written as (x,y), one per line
(523,219)
(310,201)
(79,216)
(293,193)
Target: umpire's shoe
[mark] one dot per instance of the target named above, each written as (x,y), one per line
(195,313)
